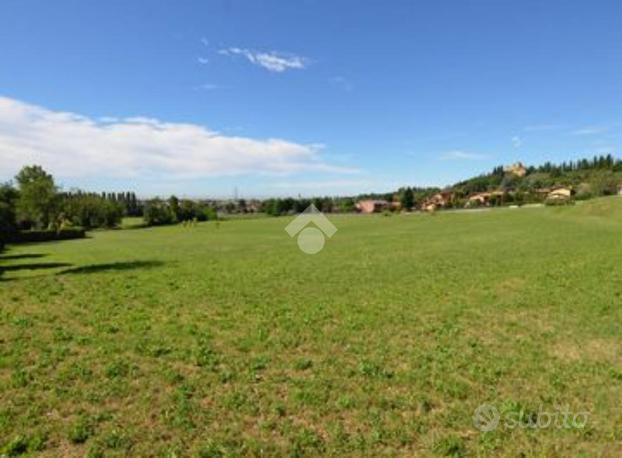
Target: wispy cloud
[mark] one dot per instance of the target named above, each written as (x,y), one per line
(342,82)
(516,141)
(590,130)
(209,87)
(462,155)
(272,61)
(603,149)
(542,127)
(205,41)
(202,60)
(71,145)
(321,184)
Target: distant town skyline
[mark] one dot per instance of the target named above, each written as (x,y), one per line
(199,99)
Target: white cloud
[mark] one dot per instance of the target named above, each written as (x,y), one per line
(462,155)
(70,145)
(273,61)
(516,141)
(590,130)
(202,60)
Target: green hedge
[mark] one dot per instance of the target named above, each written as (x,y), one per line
(47,234)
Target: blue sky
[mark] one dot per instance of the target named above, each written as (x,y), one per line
(303,97)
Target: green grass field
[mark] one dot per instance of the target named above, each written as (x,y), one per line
(227,340)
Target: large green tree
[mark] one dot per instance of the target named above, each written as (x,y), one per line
(36,205)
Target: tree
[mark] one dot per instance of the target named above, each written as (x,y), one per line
(301,205)
(157,212)
(91,210)
(347,205)
(189,210)
(36,205)
(407,199)
(173,203)
(8,225)
(134,207)
(605,183)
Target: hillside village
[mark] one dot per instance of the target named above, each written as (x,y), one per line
(513,185)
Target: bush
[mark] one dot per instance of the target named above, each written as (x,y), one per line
(210,214)
(45,235)
(158,212)
(605,183)
(558,202)
(584,192)
(190,211)
(88,210)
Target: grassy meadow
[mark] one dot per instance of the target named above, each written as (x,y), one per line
(225,340)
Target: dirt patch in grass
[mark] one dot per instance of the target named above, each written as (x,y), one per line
(593,350)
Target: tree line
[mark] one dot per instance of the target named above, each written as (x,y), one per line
(286,205)
(127,200)
(36,203)
(407,196)
(602,162)
(173,210)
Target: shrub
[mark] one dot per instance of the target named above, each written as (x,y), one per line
(89,211)
(45,235)
(558,202)
(210,214)
(190,211)
(158,212)
(605,183)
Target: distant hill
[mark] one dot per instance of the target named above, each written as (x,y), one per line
(519,184)
(599,176)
